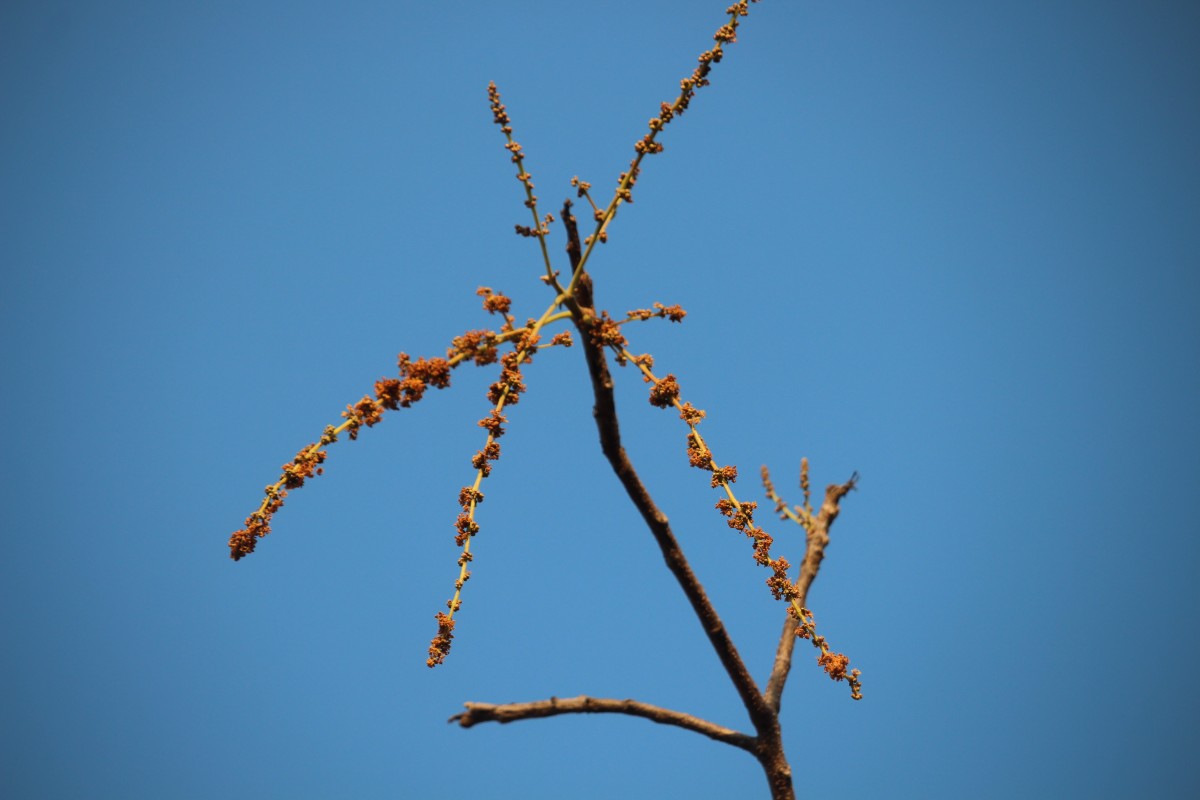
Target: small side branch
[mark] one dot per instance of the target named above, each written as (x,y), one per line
(512,712)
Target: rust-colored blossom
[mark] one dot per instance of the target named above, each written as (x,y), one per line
(493,303)
(664,392)
(468,496)
(690,414)
(726,474)
(494,423)
(439,648)
(835,664)
(606,332)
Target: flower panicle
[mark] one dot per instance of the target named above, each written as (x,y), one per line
(504,392)
(739,515)
(649,145)
(834,664)
(414,378)
(665,393)
(541,224)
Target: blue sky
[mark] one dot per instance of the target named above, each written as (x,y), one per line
(950,246)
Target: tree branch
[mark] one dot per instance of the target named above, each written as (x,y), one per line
(818,539)
(512,712)
(605,413)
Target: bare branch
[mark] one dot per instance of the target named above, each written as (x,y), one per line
(818,539)
(512,712)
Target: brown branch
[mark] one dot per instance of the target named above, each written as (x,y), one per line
(818,539)
(605,413)
(512,712)
(768,745)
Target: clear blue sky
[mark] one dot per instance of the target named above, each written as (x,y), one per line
(950,245)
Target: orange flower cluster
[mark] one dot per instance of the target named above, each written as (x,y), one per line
(258,525)
(834,664)
(479,346)
(306,464)
(698,455)
(511,385)
(493,303)
(303,466)
(440,646)
(740,517)
(493,423)
(606,332)
(665,392)
(690,414)
(483,458)
(392,393)
(674,313)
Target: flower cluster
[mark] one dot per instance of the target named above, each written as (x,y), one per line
(507,390)
(393,393)
(834,664)
(415,377)
(494,303)
(740,517)
(606,332)
(664,392)
(674,313)
(479,346)
(306,464)
(440,646)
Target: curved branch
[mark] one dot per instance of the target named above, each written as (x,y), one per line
(818,539)
(512,712)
